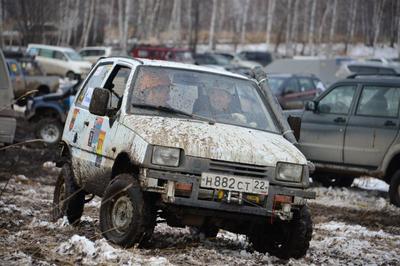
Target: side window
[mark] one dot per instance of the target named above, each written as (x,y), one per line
(306,84)
(83,53)
(59,55)
(95,80)
(46,53)
(117,84)
(379,101)
(386,71)
(291,87)
(337,101)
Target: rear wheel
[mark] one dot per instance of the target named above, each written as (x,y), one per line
(285,239)
(394,189)
(70,75)
(68,198)
(126,215)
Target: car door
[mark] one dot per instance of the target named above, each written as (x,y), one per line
(322,130)
(291,94)
(373,126)
(45,58)
(60,62)
(97,133)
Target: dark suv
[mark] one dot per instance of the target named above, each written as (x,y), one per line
(352,129)
(292,91)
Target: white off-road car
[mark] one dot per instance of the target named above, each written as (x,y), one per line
(192,145)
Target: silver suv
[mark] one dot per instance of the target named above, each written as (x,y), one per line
(352,129)
(193,145)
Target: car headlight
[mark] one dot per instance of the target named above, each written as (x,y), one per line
(165,156)
(289,172)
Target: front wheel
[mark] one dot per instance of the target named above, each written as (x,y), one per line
(285,239)
(394,189)
(125,217)
(68,197)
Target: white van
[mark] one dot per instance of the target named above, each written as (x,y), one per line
(62,61)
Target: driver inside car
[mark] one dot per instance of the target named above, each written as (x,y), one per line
(154,88)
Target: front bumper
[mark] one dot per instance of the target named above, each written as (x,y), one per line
(267,208)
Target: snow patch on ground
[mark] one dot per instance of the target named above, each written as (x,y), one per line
(101,252)
(371,183)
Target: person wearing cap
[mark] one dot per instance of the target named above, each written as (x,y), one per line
(154,87)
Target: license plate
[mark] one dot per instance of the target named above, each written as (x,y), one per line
(234,183)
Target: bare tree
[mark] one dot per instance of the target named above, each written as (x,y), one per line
(323,23)
(398,29)
(1,25)
(153,17)
(312,27)
(175,22)
(244,21)
(211,37)
(332,28)
(295,25)
(270,17)
(89,15)
(377,19)
(351,24)
(288,47)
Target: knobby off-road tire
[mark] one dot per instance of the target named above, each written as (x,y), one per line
(394,189)
(68,198)
(127,216)
(285,239)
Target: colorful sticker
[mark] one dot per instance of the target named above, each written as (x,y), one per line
(95,131)
(72,122)
(100,142)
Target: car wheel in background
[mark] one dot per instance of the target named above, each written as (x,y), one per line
(71,75)
(49,130)
(394,189)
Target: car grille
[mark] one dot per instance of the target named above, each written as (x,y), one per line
(240,169)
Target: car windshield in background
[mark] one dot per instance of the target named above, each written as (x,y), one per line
(74,56)
(216,97)
(275,83)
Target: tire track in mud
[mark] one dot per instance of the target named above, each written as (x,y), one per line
(372,219)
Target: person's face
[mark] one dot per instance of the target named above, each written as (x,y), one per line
(220,99)
(158,97)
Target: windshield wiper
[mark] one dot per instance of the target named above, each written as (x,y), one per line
(173,111)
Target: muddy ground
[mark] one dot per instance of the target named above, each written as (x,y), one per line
(351,226)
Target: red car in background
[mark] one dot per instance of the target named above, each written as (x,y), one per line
(162,53)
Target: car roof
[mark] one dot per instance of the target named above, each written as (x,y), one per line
(383,80)
(162,63)
(53,47)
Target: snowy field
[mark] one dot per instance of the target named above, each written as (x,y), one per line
(355,226)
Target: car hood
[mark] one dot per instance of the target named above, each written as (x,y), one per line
(219,141)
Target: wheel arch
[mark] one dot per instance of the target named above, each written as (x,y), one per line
(392,167)
(124,164)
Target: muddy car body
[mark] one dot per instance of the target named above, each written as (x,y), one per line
(181,157)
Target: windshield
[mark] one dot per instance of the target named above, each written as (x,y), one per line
(275,83)
(215,97)
(74,56)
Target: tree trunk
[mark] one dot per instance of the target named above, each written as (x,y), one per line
(398,29)
(377,19)
(270,16)
(211,37)
(244,22)
(1,25)
(305,26)
(110,16)
(126,24)
(323,23)
(332,29)
(89,24)
(312,27)
(351,25)
(288,46)
(196,23)
(295,26)
(121,23)
(153,17)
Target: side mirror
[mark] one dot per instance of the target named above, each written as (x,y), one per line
(99,102)
(310,106)
(295,125)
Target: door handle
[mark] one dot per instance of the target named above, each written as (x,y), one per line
(339,120)
(86,123)
(389,123)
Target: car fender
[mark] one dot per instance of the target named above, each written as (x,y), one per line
(47,105)
(390,154)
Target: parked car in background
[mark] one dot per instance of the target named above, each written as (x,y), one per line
(293,90)
(367,68)
(61,61)
(352,129)
(47,113)
(93,53)
(263,58)
(159,52)
(236,61)
(26,75)
(383,61)
(8,122)
(211,60)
